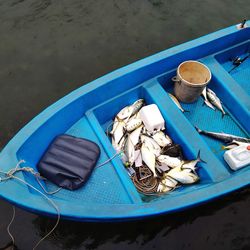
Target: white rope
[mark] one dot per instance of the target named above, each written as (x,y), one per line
(51,202)
(43,188)
(37,175)
(8,227)
(10,175)
(108,160)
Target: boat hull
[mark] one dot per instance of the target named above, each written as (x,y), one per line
(87,112)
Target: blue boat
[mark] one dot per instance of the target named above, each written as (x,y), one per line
(110,194)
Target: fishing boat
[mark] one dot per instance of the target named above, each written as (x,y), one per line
(110,194)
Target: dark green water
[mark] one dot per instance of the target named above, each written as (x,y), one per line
(50,47)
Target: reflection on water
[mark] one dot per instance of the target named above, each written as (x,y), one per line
(48,48)
(221,225)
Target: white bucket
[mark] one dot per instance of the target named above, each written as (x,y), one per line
(191,79)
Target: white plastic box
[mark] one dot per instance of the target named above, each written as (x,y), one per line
(152,118)
(238,157)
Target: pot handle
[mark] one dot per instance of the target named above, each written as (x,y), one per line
(175,79)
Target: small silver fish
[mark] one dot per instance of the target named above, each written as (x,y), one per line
(133,124)
(228,138)
(163,188)
(206,101)
(118,132)
(118,146)
(115,124)
(148,157)
(137,105)
(172,162)
(168,181)
(135,135)
(175,100)
(162,139)
(126,112)
(184,176)
(192,164)
(138,158)
(214,99)
(129,150)
(152,144)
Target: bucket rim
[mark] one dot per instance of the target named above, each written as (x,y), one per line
(189,83)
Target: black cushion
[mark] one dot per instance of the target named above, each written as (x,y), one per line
(69,161)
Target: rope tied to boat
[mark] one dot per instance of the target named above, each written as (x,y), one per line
(10,175)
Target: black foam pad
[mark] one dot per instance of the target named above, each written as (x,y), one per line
(69,161)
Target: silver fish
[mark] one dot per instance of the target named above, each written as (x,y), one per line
(152,144)
(213,98)
(172,162)
(228,138)
(135,135)
(168,181)
(192,164)
(148,157)
(162,139)
(118,132)
(130,110)
(129,150)
(138,158)
(115,124)
(118,146)
(206,101)
(133,124)
(184,176)
(126,112)
(137,106)
(175,100)
(163,188)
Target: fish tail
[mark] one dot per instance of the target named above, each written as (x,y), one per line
(199,157)
(223,114)
(198,130)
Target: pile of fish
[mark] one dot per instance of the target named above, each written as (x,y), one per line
(154,162)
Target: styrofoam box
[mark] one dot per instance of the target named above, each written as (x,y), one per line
(152,118)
